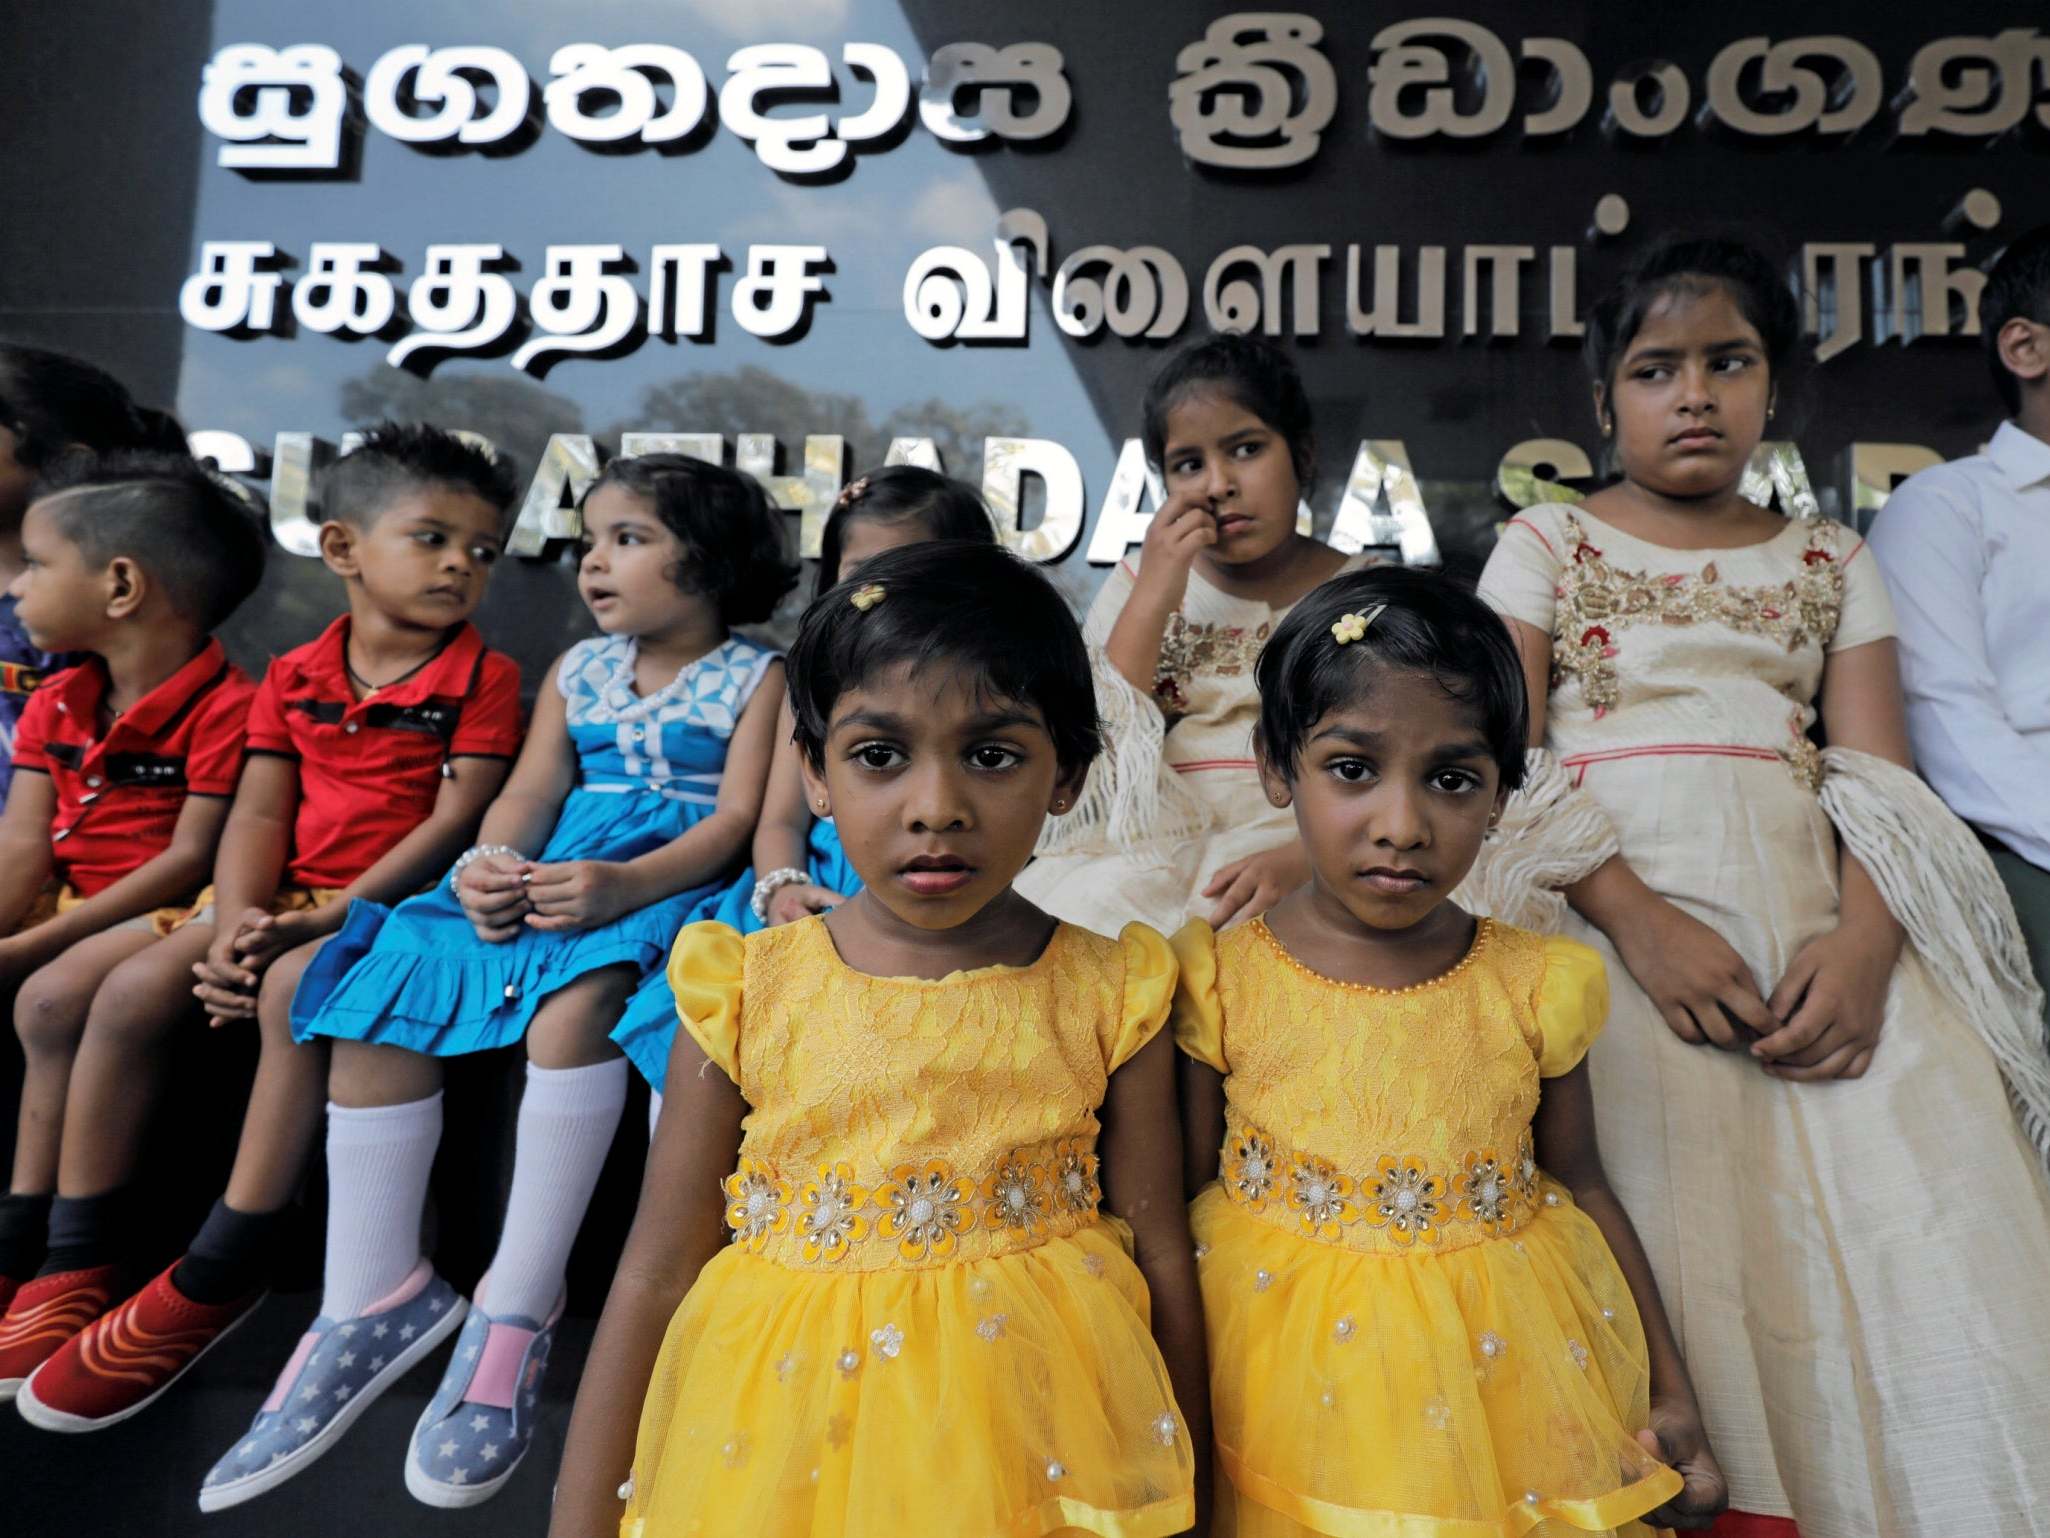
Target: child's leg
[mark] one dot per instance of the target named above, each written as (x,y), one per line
(229,1258)
(576,1089)
(384,1123)
(120,1062)
(477,1428)
(49,1016)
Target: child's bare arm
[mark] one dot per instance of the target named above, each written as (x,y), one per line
(251,863)
(1202,1089)
(580,894)
(1702,987)
(491,889)
(1142,1181)
(1564,1132)
(679,1226)
(524,813)
(783,836)
(25,860)
(168,877)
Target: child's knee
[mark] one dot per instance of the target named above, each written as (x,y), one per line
(50,1011)
(140,1000)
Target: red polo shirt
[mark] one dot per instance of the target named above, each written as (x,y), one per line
(118,796)
(370,769)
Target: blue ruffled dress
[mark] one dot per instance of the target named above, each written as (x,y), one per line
(417,976)
(647,1030)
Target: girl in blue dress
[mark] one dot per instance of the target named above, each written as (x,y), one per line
(635,794)
(799,868)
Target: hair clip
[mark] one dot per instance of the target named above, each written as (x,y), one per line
(866,598)
(852,492)
(1352,627)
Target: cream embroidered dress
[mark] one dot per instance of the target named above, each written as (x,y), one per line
(923,1326)
(1175,796)
(1858,1272)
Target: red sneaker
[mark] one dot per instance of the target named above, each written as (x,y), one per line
(123,1361)
(46,1313)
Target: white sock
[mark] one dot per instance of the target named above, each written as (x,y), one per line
(378,1161)
(654,1112)
(567,1119)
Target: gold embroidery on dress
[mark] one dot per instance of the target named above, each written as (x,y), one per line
(1213,651)
(1597,601)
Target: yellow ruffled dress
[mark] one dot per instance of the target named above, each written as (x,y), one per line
(924,1325)
(1414,1333)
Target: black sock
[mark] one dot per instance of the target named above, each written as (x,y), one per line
(230,1257)
(24,1234)
(84,1231)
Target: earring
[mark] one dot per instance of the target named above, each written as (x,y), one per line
(820,803)
(1060,803)
(1608,425)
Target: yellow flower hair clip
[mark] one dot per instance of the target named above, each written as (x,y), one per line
(1353,627)
(866,598)
(852,492)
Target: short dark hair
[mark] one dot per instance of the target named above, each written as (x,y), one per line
(51,402)
(1248,370)
(394,459)
(732,534)
(187,528)
(1431,624)
(2018,285)
(1690,265)
(973,605)
(948,508)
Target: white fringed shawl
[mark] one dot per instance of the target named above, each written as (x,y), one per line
(1935,877)
(1941,886)
(1552,834)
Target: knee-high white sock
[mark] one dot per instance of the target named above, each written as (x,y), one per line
(654,1112)
(378,1161)
(567,1119)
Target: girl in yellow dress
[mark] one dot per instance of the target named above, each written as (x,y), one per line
(1428,1314)
(926,1322)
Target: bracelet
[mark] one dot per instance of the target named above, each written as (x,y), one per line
(475,853)
(770,885)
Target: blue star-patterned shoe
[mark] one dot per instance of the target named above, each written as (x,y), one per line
(341,1365)
(476,1429)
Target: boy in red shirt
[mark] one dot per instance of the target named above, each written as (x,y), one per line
(373,753)
(124,765)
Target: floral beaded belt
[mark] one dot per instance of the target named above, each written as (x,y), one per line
(920,1215)
(1401,1201)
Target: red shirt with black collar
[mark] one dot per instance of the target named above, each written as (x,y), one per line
(370,769)
(119,794)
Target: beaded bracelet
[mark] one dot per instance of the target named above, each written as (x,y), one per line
(770,885)
(475,853)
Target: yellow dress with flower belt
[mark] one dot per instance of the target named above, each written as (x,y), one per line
(1414,1333)
(924,1324)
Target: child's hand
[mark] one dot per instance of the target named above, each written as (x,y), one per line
(800,900)
(577,894)
(1185,524)
(1677,1438)
(1833,1000)
(261,940)
(226,983)
(493,894)
(1247,888)
(1695,977)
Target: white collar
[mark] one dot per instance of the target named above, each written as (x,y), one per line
(2020,456)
